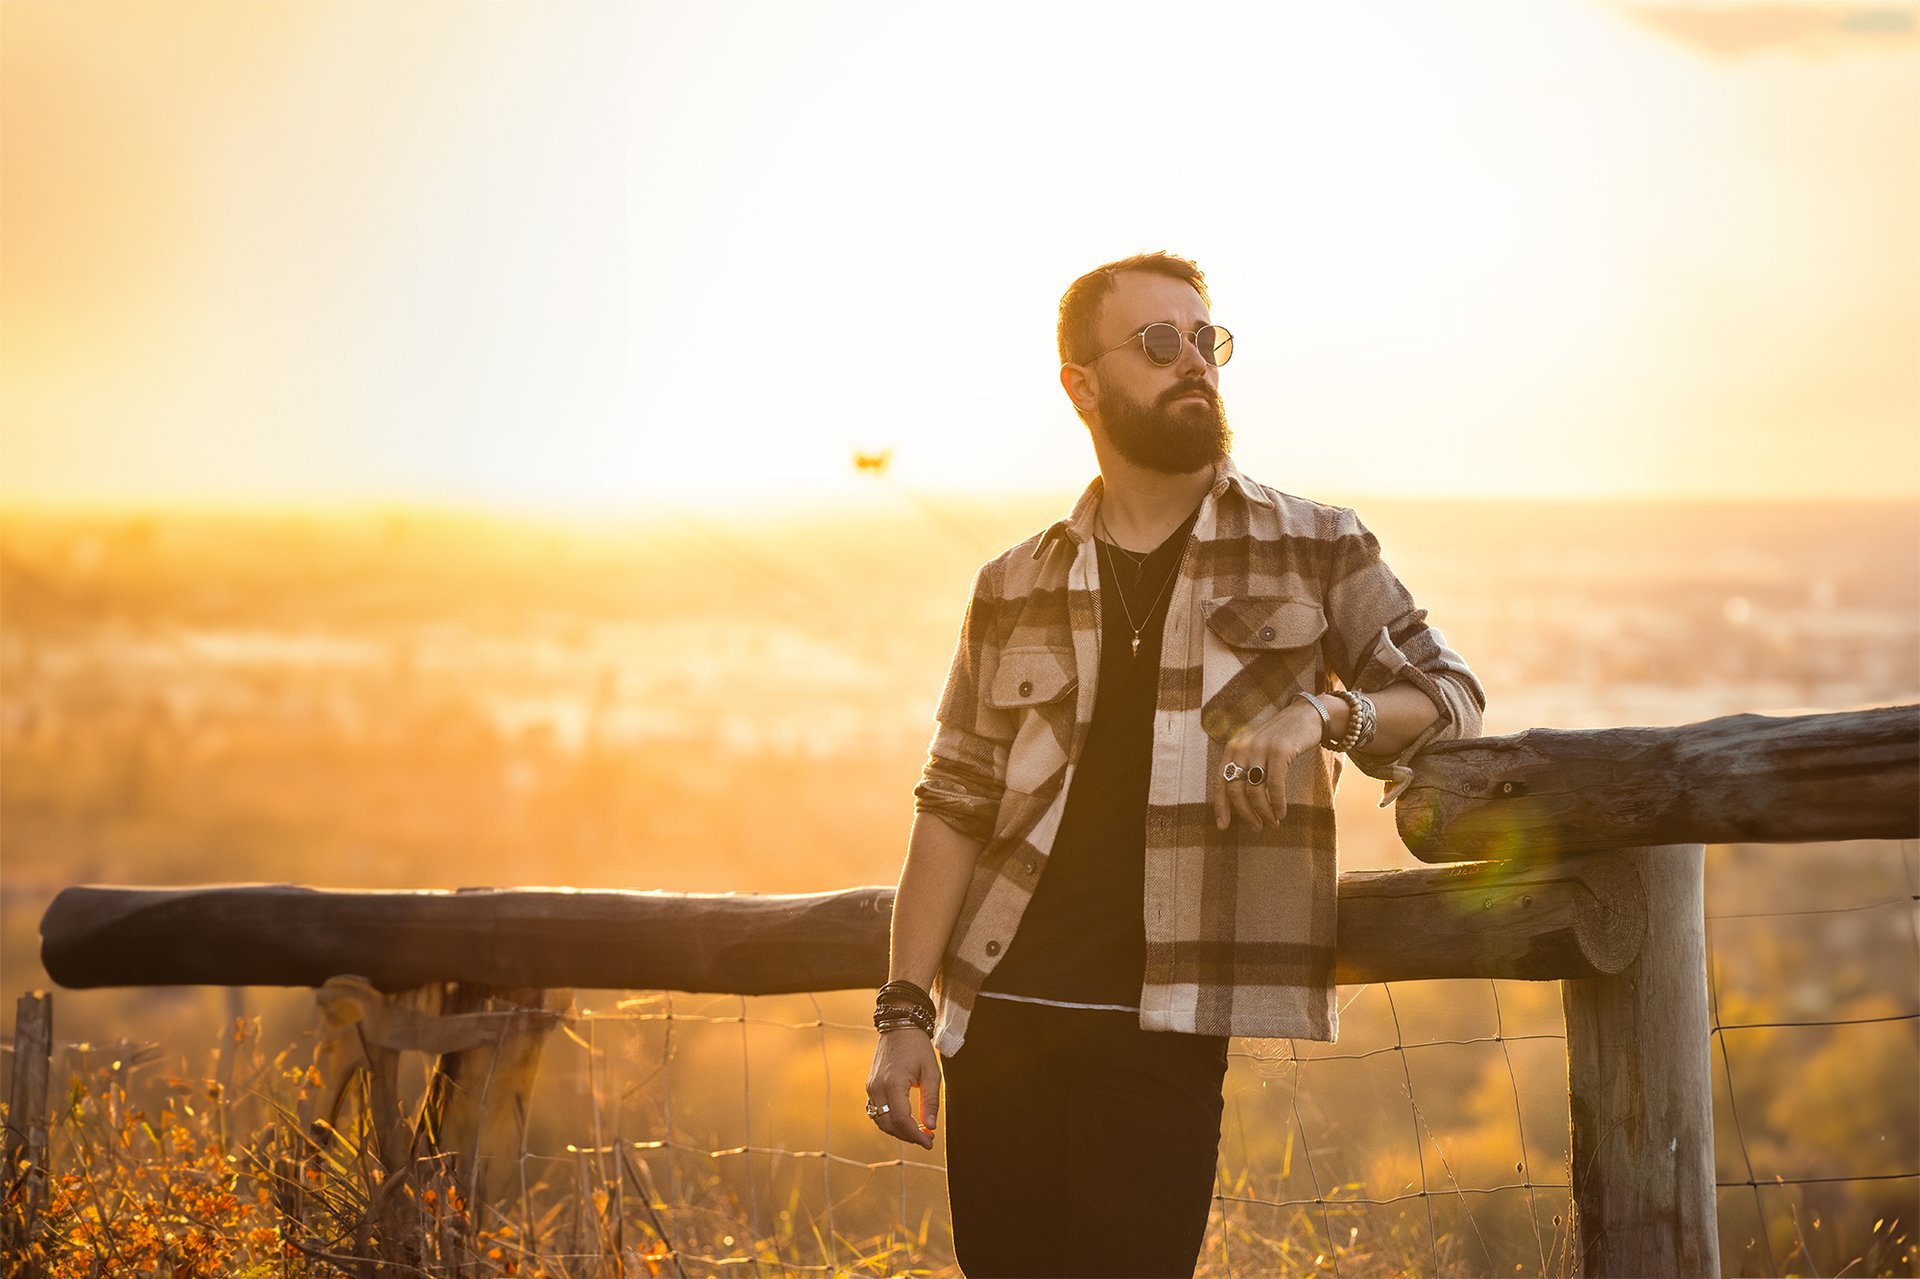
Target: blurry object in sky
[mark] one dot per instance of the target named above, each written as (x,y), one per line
(875,463)
(1736,30)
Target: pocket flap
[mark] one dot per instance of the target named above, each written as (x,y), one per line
(1032,676)
(1252,621)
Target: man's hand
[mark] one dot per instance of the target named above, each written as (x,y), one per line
(1272,748)
(904,1061)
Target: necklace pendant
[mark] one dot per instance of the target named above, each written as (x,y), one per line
(1136,645)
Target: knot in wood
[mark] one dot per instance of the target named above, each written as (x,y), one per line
(1610,917)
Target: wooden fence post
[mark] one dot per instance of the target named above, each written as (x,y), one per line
(476,1103)
(26,1147)
(1640,1089)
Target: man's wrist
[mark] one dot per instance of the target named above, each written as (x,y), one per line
(1327,717)
(901,1003)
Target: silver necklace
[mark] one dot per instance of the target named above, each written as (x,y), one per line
(1139,558)
(1137,628)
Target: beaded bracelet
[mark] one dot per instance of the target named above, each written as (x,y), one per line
(1362,719)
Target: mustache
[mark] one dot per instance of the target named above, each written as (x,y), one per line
(1169,396)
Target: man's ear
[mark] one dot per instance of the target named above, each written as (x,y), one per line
(1077,380)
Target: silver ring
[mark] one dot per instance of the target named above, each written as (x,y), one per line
(1232,772)
(874,1112)
(1256,776)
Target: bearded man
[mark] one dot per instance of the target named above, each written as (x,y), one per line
(1123,846)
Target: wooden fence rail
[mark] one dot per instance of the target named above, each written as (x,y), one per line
(1738,779)
(1580,917)
(1598,839)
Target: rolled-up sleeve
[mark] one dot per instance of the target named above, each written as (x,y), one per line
(1377,636)
(966,769)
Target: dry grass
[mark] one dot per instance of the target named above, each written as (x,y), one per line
(218,1175)
(165,1175)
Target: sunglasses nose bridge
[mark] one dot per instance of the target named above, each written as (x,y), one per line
(1189,342)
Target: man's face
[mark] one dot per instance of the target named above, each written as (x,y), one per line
(1165,418)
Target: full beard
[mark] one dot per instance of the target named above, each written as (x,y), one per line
(1162,436)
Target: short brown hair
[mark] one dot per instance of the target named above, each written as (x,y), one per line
(1080,304)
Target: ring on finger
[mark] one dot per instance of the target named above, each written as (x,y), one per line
(1233,772)
(874,1112)
(1256,776)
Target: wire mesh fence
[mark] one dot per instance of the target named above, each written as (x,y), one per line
(1433,1137)
(1817,1112)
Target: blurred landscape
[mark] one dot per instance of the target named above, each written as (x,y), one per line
(694,701)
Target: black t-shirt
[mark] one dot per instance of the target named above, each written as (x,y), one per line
(1082,938)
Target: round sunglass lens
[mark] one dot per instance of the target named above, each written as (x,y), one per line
(1215,343)
(1162,343)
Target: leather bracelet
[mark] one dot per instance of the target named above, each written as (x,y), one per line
(894,1016)
(904,996)
(1326,720)
(914,1011)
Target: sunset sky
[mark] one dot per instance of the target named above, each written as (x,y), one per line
(613,256)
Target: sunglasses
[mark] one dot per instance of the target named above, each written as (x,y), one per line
(1161,342)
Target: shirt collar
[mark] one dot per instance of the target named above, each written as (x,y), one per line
(1077,527)
(1230,476)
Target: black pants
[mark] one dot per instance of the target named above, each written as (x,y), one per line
(1079,1144)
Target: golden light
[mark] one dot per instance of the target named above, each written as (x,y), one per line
(621,256)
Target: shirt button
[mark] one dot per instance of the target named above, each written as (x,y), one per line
(1266,632)
(1026,688)
(1033,865)
(993,948)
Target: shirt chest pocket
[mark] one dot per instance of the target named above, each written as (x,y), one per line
(1035,687)
(1258,652)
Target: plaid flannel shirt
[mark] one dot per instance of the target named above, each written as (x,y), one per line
(1274,594)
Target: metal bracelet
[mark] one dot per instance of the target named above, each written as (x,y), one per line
(1326,720)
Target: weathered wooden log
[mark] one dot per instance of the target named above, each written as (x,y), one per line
(1576,918)
(1546,792)
(1579,916)
(1640,1093)
(289,935)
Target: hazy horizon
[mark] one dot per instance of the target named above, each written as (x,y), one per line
(856,504)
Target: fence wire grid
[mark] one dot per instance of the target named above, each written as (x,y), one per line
(1432,1138)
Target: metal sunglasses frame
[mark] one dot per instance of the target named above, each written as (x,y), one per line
(1206,354)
